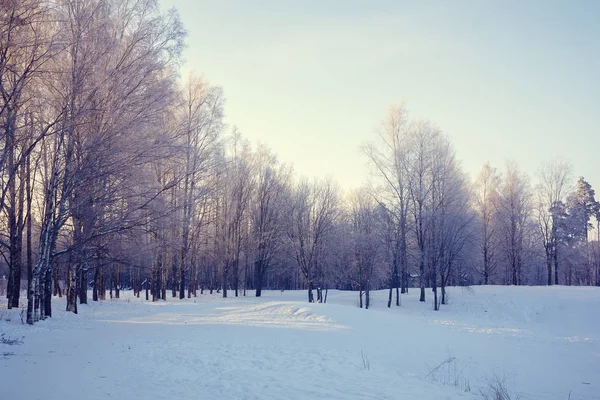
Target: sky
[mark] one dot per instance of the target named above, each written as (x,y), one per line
(312,79)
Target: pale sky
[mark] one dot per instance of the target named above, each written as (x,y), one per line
(312,79)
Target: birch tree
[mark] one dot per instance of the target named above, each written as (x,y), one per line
(366,240)
(389,158)
(272,181)
(27,43)
(236,188)
(554,183)
(420,187)
(202,126)
(514,209)
(312,213)
(486,202)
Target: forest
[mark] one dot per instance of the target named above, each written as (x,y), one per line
(118,173)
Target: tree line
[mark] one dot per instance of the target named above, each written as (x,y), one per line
(117,174)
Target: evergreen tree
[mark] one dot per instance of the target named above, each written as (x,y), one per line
(581,206)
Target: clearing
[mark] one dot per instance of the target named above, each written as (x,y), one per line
(544,342)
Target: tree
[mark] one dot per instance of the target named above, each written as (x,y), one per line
(389,159)
(447,215)
(581,206)
(202,114)
(107,85)
(366,230)
(514,209)
(486,203)
(312,212)
(272,180)
(455,224)
(122,54)
(27,43)
(554,178)
(424,141)
(237,185)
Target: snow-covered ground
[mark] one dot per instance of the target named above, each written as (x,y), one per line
(543,341)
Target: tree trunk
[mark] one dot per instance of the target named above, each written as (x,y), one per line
(103,282)
(549,269)
(28,222)
(443,282)
(258,277)
(174,274)
(394,282)
(56,285)
(422,276)
(360,297)
(83,282)
(139,281)
(555,255)
(117,282)
(236,275)
(182,279)
(16,200)
(71,290)
(95,287)
(246,271)
(48,293)
(110,283)
(434,287)
(403,255)
(225,281)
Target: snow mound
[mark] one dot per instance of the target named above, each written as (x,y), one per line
(291,315)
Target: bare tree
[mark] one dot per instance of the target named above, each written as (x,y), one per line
(486,202)
(272,180)
(312,213)
(424,140)
(122,55)
(456,228)
(554,182)
(366,234)
(514,209)
(389,159)
(202,126)
(236,187)
(26,45)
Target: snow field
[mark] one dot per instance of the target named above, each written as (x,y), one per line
(543,341)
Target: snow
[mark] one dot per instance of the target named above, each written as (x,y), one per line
(543,341)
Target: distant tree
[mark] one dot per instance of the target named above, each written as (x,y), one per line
(514,208)
(389,159)
(551,192)
(366,230)
(236,184)
(272,181)
(424,142)
(312,213)
(456,227)
(201,117)
(581,207)
(486,203)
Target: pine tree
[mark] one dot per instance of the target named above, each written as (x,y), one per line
(581,206)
